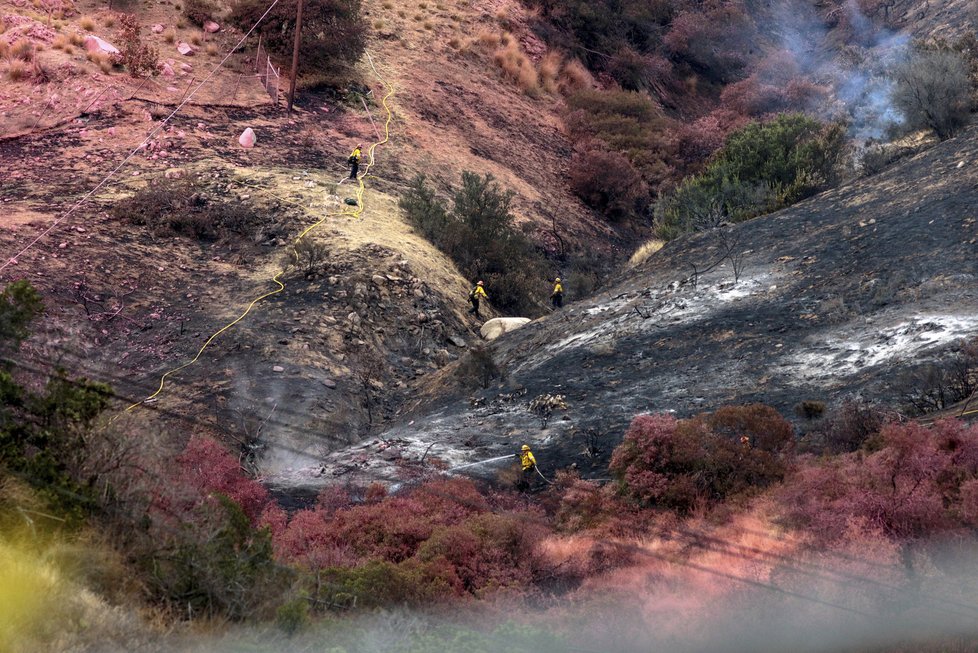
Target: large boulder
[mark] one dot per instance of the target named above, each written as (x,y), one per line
(500,325)
(95,44)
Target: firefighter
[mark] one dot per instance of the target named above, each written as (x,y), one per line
(479,292)
(354,161)
(528,464)
(557,296)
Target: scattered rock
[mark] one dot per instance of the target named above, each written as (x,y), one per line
(186,49)
(457,340)
(187,68)
(157,29)
(500,325)
(379,280)
(247,138)
(278,368)
(167,70)
(329,383)
(95,44)
(211,27)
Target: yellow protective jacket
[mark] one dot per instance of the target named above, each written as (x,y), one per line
(479,292)
(355,155)
(527,460)
(558,289)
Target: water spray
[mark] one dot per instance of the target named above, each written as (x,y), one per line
(481,462)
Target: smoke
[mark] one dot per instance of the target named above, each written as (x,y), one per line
(854,59)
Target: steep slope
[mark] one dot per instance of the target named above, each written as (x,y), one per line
(837,295)
(334,355)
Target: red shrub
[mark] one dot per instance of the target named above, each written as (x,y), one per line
(207,466)
(487,551)
(678,464)
(919,482)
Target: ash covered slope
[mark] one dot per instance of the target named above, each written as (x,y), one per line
(837,295)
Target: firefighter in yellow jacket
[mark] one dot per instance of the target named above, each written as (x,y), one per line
(477,293)
(557,296)
(528,465)
(354,161)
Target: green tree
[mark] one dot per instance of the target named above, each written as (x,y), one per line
(45,436)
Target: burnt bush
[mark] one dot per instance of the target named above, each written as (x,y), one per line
(184,208)
(334,32)
(682,464)
(942,383)
(851,425)
(933,91)
(478,368)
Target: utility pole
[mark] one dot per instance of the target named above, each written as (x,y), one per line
(295,54)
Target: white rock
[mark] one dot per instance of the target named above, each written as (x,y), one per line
(167,70)
(247,138)
(278,368)
(95,44)
(500,325)
(210,27)
(185,49)
(157,29)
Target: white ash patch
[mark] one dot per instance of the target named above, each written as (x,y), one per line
(837,355)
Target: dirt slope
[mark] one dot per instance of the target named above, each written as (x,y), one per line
(837,295)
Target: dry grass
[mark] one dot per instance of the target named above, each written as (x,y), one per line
(196,39)
(61,43)
(488,39)
(517,67)
(76,39)
(211,49)
(402,14)
(643,253)
(378,24)
(21,49)
(575,77)
(170,35)
(87,23)
(102,60)
(4,49)
(181,24)
(550,67)
(17,70)
(388,5)
(455,44)
(109,20)
(3,27)
(428,25)
(423,5)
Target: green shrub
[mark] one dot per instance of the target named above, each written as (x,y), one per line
(219,566)
(478,234)
(762,167)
